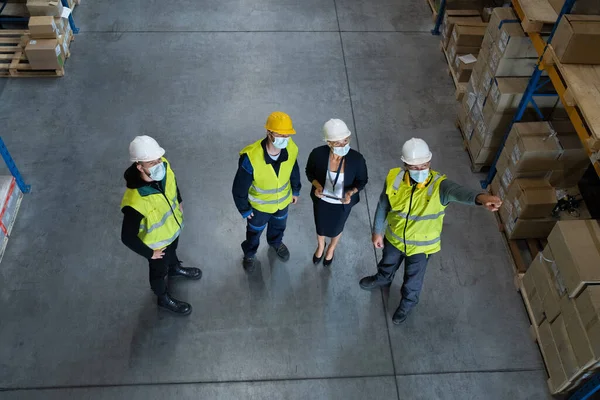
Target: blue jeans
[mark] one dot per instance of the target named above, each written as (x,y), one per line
(275,224)
(414,273)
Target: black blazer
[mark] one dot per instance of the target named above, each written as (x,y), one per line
(355,171)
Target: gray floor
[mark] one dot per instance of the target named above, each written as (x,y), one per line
(77,317)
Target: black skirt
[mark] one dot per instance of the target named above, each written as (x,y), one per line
(330,218)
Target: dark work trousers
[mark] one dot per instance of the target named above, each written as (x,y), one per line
(414,272)
(275,224)
(159,268)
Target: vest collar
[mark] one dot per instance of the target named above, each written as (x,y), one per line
(283,156)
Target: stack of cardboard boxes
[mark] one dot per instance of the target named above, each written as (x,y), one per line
(48,42)
(562,289)
(462,34)
(537,159)
(505,62)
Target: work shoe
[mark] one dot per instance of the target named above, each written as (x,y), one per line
(399,316)
(372,282)
(175,306)
(249,264)
(190,273)
(282,252)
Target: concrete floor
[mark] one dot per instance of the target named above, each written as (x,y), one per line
(77,317)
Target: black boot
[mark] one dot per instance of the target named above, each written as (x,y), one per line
(190,273)
(282,252)
(249,264)
(372,282)
(399,316)
(175,306)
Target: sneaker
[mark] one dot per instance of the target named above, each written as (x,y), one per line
(282,252)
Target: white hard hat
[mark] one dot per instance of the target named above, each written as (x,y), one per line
(145,148)
(415,152)
(335,129)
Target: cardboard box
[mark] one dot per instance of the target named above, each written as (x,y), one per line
(464,66)
(564,346)
(566,178)
(497,188)
(532,148)
(471,36)
(500,66)
(558,377)
(45,54)
(519,228)
(44,7)
(453,17)
(586,7)
(454,51)
(481,154)
(43,28)
(512,42)
(587,305)
(548,282)
(534,299)
(532,198)
(576,248)
(577,39)
(585,355)
(506,93)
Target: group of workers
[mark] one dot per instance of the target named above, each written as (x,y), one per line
(407,225)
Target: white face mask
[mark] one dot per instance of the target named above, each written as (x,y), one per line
(419,176)
(280,142)
(341,151)
(157,172)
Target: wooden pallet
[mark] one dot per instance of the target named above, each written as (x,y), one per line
(539,15)
(461,87)
(475,168)
(582,83)
(522,251)
(434,13)
(13,61)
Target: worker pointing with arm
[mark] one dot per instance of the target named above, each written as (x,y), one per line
(153,219)
(413,203)
(266,183)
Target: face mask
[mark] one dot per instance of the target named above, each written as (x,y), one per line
(280,142)
(341,151)
(419,176)
(157,172)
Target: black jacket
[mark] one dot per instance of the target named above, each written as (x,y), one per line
(132,218)
(355,171)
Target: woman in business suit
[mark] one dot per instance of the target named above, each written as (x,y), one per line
(337,174)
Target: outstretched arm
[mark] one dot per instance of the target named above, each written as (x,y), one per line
(452,192)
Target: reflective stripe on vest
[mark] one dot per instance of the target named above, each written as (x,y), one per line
(259,201)
(414,242)
(419,217)
(166,242)
(272,191)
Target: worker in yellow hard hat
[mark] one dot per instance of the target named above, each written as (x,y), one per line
(266,182)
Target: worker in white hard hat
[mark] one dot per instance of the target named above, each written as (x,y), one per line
(413,203)
(153,218)
(266,183)
(337,173)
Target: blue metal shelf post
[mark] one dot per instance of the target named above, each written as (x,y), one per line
(74,28)
(532,86)
(586,392)
(10,163)
(439,18)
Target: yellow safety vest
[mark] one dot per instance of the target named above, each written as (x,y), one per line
(163,220)
(270,192)
(414,226)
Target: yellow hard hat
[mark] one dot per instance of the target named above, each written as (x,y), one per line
(280,122)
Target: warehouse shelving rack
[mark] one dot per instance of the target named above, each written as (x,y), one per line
(25,20)
(12,167)
(536,82)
